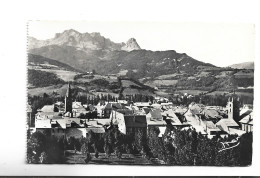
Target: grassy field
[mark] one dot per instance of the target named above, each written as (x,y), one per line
(161,83)
(89,78)
(133,91)
(238,93)
(165,77)
(203,74)
(128,83)
(60,89)
(191,92)
(224,74)
(161,93)
(62,74)
(127,159)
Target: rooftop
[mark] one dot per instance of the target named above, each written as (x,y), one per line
(48,108)
(227,122)
(156,114)
(247,119)
(210,125)
(155,122)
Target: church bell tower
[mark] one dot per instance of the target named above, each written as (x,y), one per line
(68,101)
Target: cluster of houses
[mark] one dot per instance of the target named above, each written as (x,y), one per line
(70,118)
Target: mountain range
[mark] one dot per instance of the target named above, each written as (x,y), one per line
(244,65)
(83,41)
(92,51)
(72,56)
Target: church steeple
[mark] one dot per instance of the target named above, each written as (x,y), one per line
(233,108)
(68,101)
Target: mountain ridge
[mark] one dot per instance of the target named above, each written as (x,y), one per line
(243,65)
(91,51)
(83,41)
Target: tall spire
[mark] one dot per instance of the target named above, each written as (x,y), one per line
(68,100)
(68,90)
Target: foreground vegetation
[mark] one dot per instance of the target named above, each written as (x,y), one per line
(175,147)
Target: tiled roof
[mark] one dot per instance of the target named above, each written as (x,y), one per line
(180,110)
(195,108)
(104,121)
(142,104)
(156,113)
(227,122)
(211,113)
(248,119)
(244,113)
(113,106)
(48,108)
(49,115)
(236,132)
(174,120)
(192,119)
(210,125)
(62,123)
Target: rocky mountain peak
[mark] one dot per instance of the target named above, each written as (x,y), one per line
(83,41)
(131,45)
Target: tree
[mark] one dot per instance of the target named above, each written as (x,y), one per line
(88,157)
(245,149)
(140,140)
(35,146)
(43,158)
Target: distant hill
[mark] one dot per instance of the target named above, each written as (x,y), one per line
(244,65)
(136,63)
(40,60)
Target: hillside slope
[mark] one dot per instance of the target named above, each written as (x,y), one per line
(244,65)
(137,63)
(43,61)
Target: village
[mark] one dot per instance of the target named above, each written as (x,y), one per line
(75,120)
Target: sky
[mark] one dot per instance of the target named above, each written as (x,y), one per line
(221,44)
